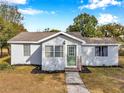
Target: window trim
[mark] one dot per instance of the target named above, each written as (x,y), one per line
(102,51)
(25,50)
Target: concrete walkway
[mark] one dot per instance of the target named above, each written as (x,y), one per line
(74,83)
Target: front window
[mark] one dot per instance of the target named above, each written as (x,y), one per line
(101,51)
(54,51)
(26,50)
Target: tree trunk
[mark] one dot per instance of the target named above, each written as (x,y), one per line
(1,54)
(8,50)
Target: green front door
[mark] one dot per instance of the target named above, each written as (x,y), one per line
(71,55)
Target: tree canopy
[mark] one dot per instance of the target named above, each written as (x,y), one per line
(10,13)
(111,30)
(10,23)
(89,27)
(54,30)
(86,24)
(51,30)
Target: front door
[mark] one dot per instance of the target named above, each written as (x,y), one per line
(71,55)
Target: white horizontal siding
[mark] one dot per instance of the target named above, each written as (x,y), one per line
(17,55)
(89,58)
(58,63)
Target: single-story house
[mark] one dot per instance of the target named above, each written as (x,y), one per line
(60,50)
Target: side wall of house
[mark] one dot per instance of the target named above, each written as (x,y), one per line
(17,54)
(89,58)
(58,63)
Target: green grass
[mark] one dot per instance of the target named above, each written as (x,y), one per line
(4,63)
(105,80)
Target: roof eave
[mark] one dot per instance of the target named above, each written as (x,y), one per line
(103,44)
(17,42)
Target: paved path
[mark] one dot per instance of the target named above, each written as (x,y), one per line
(74,83)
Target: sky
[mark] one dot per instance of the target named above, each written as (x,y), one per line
(59,14)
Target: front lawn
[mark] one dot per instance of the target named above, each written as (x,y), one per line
(105,80)
(20,79)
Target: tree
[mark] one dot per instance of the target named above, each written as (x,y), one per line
(46,30)
(10,13)
(111,30)
(9,30)
(86,24)
(10,24)
(54,30)
(73,28)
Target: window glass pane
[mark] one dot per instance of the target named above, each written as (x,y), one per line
(58,48)
(26,50)
(49,51)
(49,48)
(71,50)
(58,51)
(97,51)
(105,51)
(49,54)
(100,51)
(58,54)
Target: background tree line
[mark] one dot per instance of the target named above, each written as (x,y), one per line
(89,27)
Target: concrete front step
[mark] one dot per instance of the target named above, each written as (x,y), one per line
(71,69)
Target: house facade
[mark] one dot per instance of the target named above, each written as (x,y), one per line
(60,50)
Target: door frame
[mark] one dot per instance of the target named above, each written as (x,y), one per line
(75,56)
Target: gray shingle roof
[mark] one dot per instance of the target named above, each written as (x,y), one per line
(104,40)
(36,36)
(31,36)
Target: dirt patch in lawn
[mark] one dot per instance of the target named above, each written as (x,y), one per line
(105,79)
(20,80)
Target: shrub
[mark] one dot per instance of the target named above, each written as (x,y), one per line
(5,66)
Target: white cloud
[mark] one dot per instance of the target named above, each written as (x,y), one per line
(14,1)
(93,4)
(81,1)
(31,11)
(53,12)
(107,18)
